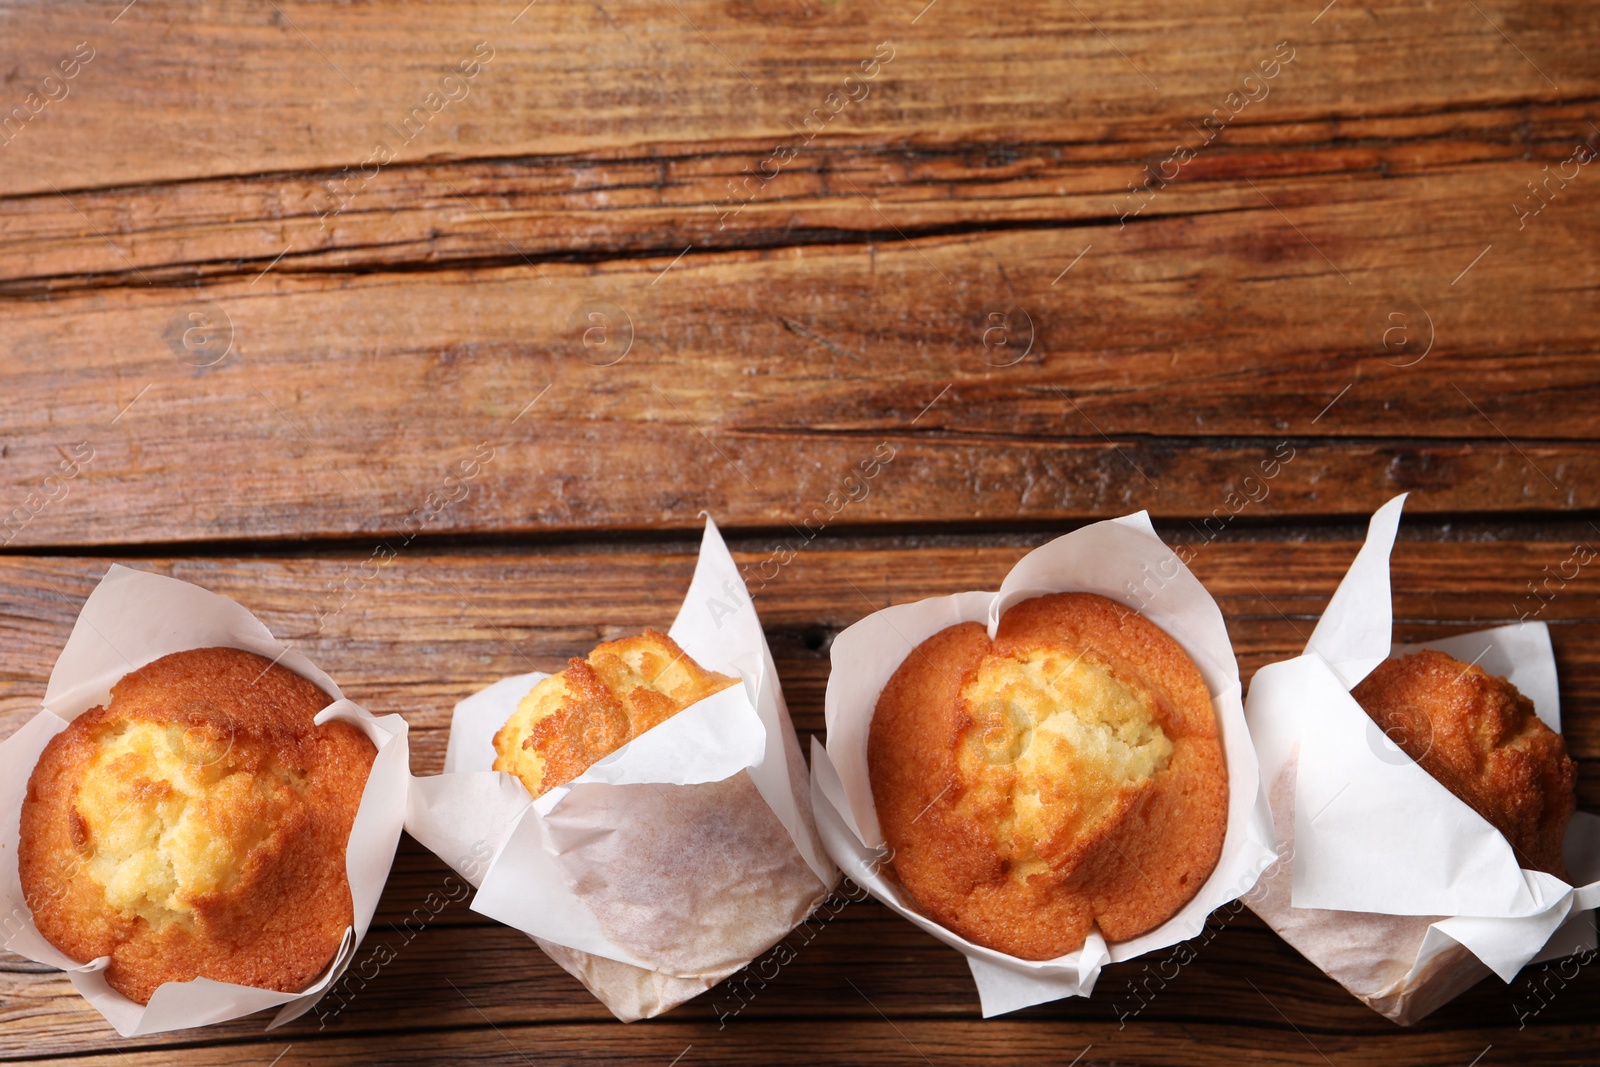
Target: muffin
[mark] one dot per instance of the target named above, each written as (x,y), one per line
(1066,775)
(195,826)
(1481,740)
(580,715)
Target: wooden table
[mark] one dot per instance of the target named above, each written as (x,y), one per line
(272,271)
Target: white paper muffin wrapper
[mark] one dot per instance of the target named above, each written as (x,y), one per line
(700,829)
(130,619)
(1124,560)
(1373,834)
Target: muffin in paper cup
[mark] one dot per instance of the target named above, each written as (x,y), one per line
(131,619)
(668,864)
(1121,559)
(1392,885)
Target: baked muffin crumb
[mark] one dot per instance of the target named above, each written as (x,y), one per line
(195,826)
(1066,775)
(580,715)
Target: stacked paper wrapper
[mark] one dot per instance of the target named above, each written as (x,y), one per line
(1124,560)
(672,862)
(1389,883)
(131,619)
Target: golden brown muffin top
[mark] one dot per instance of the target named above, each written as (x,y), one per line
(1480,738)
(195,825)
(1066,774)
(579,716)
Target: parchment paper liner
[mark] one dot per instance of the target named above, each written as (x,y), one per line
(1393,886)
(670,863)
(1124,560)
(131,618)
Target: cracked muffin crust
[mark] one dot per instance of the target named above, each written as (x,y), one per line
(580,715)
(195,826)
(1479,738)
(1064,776)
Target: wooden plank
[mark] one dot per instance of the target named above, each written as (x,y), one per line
(425,215)
(907,1043)
(307,86)
(752,384)
(1236,315)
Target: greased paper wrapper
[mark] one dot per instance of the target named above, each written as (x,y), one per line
(1124,560)
(131,618)
(1389,883)
(667,865)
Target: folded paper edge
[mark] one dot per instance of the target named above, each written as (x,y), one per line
(128,1017)
(765,685)
(1255,854)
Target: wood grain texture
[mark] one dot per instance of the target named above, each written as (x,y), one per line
(426,215)
(1343,265)
(176,93)
(346,400)
(912,1044)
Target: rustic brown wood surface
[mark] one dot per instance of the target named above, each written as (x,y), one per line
(270,271)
